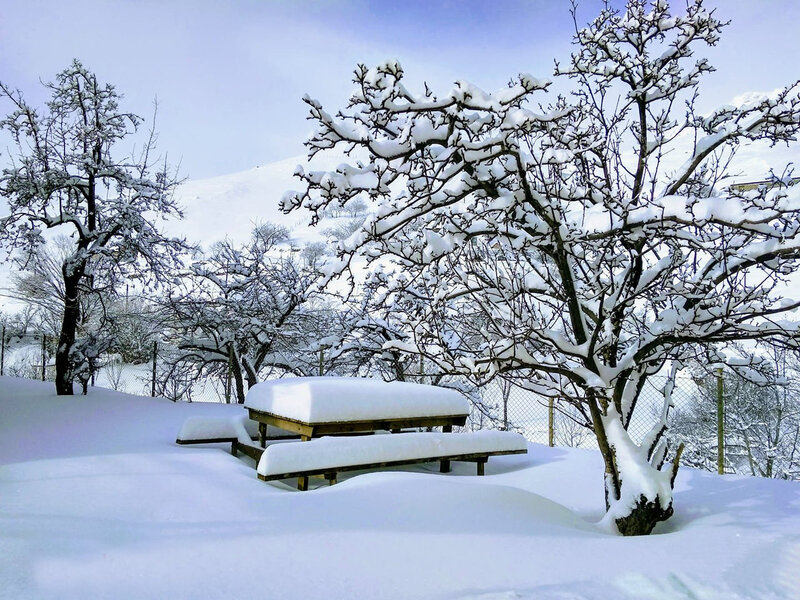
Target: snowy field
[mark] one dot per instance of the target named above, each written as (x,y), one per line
(97,501)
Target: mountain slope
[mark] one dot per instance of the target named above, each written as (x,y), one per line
(230,205)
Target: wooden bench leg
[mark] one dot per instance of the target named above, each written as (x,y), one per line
(302,482)
(481,465)
(331,477)
(234,450)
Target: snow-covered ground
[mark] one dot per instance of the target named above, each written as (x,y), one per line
(97,501)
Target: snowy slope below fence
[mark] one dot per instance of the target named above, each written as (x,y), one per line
(96,501)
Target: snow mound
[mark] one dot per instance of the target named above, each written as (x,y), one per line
(196,429)
(97,501)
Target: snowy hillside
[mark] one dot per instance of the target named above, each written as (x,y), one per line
(97,501)
(230,205)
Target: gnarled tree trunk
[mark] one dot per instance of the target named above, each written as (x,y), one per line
(66,339)
(638,491)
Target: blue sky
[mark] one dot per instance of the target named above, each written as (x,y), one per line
(229,75)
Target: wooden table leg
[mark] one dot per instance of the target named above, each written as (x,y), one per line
(262,434)
(482,465)
(444,465)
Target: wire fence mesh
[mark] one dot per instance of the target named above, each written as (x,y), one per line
(501,404)
(560,424)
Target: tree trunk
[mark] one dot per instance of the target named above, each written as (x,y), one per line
(236,370)
(638,494)
(250,372)
(66,338)
(643,517)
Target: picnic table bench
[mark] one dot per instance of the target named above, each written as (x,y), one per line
(329,456)
(317,406)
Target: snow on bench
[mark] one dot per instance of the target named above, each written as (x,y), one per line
(208,430)
(240,431)
(352,399)
(329,455)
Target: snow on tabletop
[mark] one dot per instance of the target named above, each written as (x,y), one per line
(332,452)
(208,428)
(330,399)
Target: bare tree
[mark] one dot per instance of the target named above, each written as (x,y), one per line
(66,176)
(761,420)
(243,309)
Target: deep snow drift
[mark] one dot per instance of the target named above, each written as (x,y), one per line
(97,501)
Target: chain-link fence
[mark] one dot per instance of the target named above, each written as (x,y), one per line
(499,404)
(27,355)
(557,423)
(31,355)
(502,404)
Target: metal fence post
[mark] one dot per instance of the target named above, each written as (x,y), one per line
(44,357)
(720,422)
(229,375)
(3,353)
(550,422)
(155,358)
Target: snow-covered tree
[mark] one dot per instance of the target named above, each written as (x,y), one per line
(133,324)
(243,308)
(549,242)
(67,176)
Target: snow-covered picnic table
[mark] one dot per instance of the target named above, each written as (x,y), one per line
(312,407)
(317,406)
